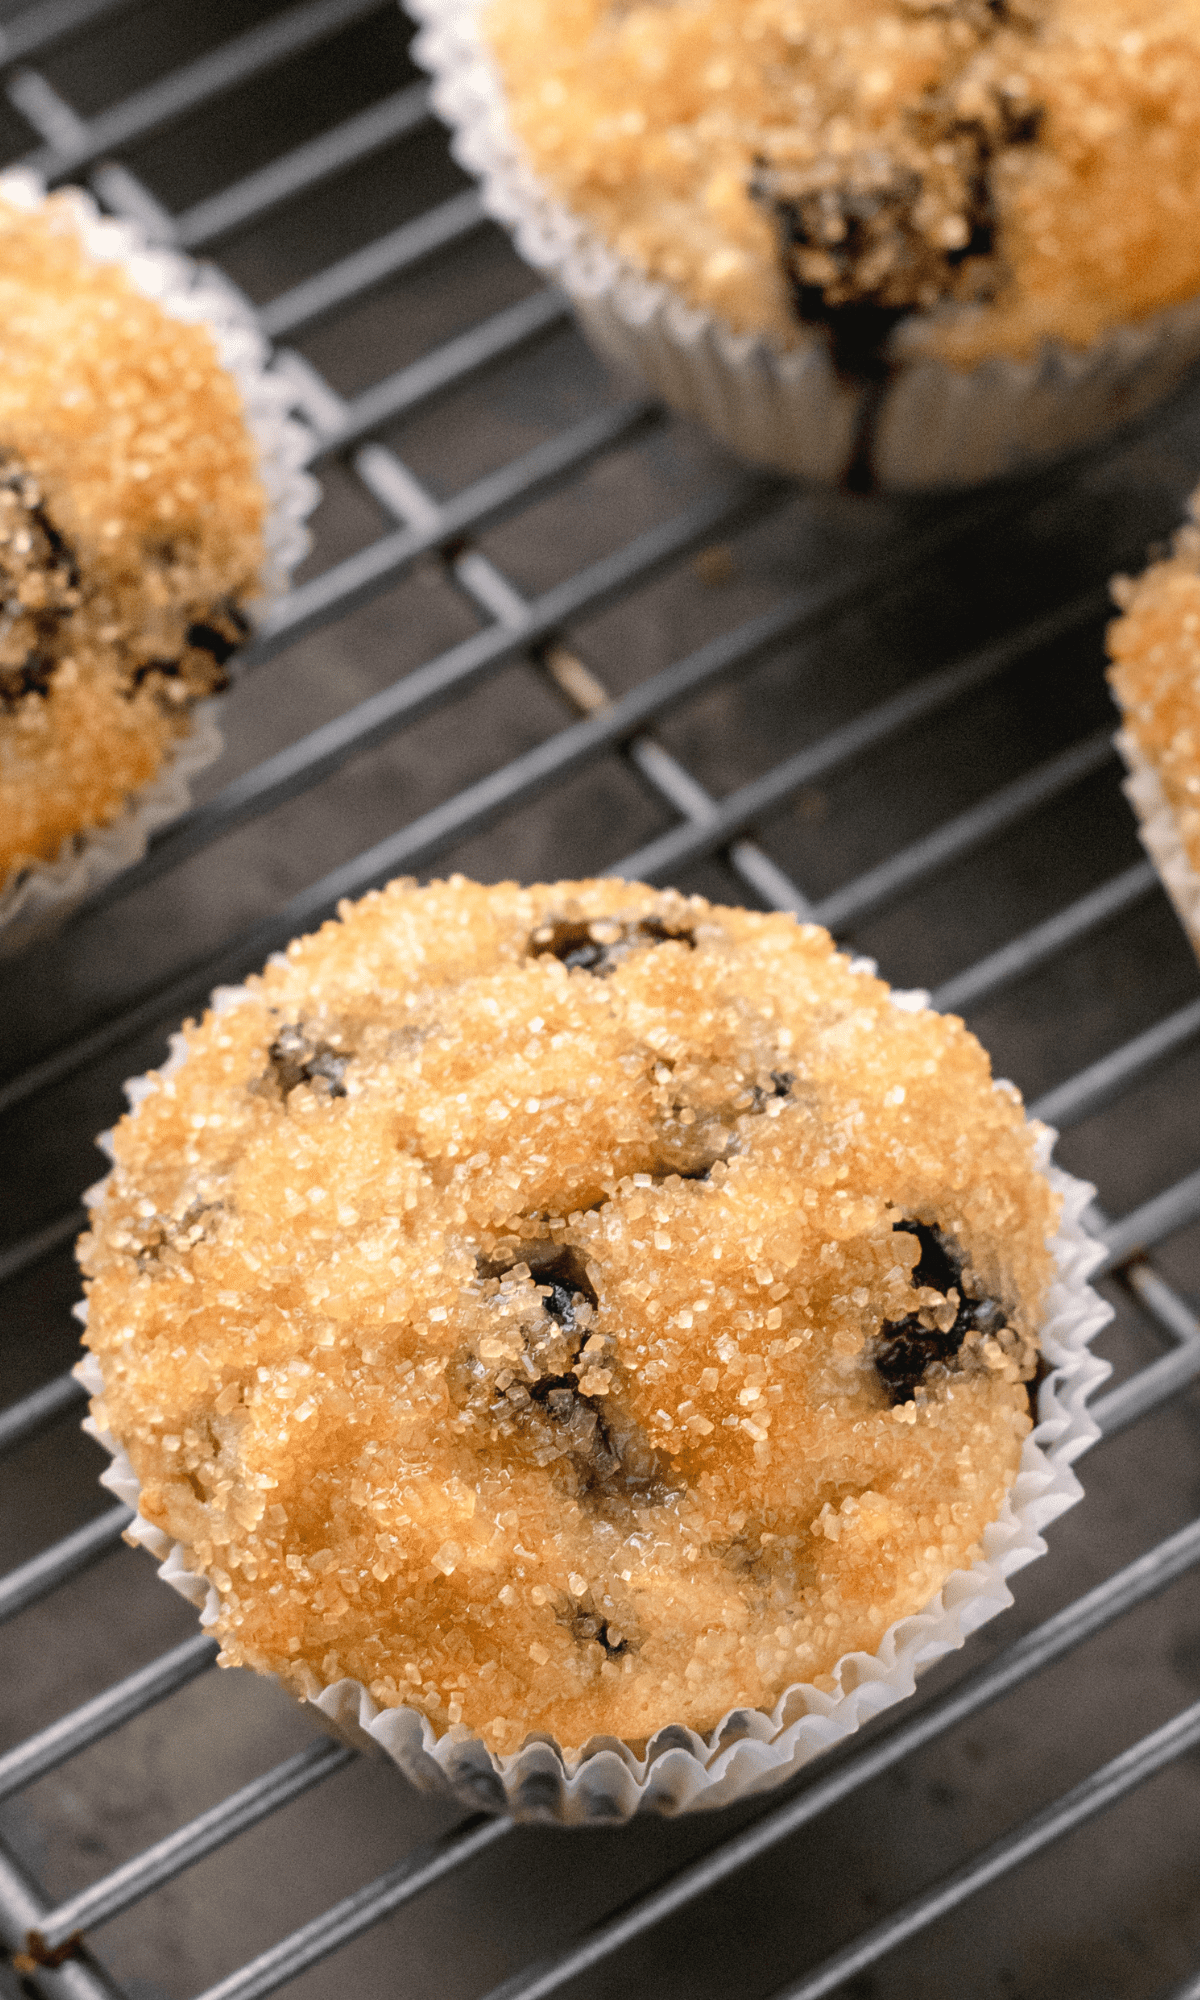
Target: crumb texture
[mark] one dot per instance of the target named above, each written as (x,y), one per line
(131,519)
(1006,171)
(579,1308)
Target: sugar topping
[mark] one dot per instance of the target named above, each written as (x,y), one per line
(131,521)
(992,173)
(578,1308)
(1155,648)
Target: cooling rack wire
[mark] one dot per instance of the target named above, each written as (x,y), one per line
(334,97)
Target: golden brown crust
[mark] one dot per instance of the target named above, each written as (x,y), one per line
(511,1303)
(1031,167)
(131,518)
(1155,676)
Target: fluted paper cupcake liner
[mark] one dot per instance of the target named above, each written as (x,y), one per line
(1158,830)
(44,892)
(750,1750)
(930,425)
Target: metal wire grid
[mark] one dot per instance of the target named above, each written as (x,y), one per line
(58,1960)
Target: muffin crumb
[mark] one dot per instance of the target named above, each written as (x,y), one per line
(131,518)
(984,174)
(460,1364)
(1155,674)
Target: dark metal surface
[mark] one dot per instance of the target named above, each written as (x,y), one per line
(543,627)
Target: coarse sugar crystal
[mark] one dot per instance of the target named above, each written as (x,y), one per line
(994,173)
(467,1412)
(131,531)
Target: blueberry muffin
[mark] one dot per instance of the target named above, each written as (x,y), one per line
(1155,677)
(131,531)
(577,1308)
(985,174)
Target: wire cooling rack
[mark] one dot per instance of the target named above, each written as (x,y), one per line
(546,631)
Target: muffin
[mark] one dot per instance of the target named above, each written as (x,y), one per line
(896,240)
(137,440)
(583,1310)
(1155,677)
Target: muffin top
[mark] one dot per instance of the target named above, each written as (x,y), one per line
(579,1308)
(131,518)
(1155,675)
(991,173)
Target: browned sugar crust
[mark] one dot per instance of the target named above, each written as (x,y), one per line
(131,519)
(1008,170)
(575,1307)
(1155,675)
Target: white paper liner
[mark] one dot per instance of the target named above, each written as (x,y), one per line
(44,893)
(749,1750)
(1158,830)
(934,426)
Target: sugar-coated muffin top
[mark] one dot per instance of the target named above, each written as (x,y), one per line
(577,1308)
(131,518)
(1025,168)
(1155,675)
